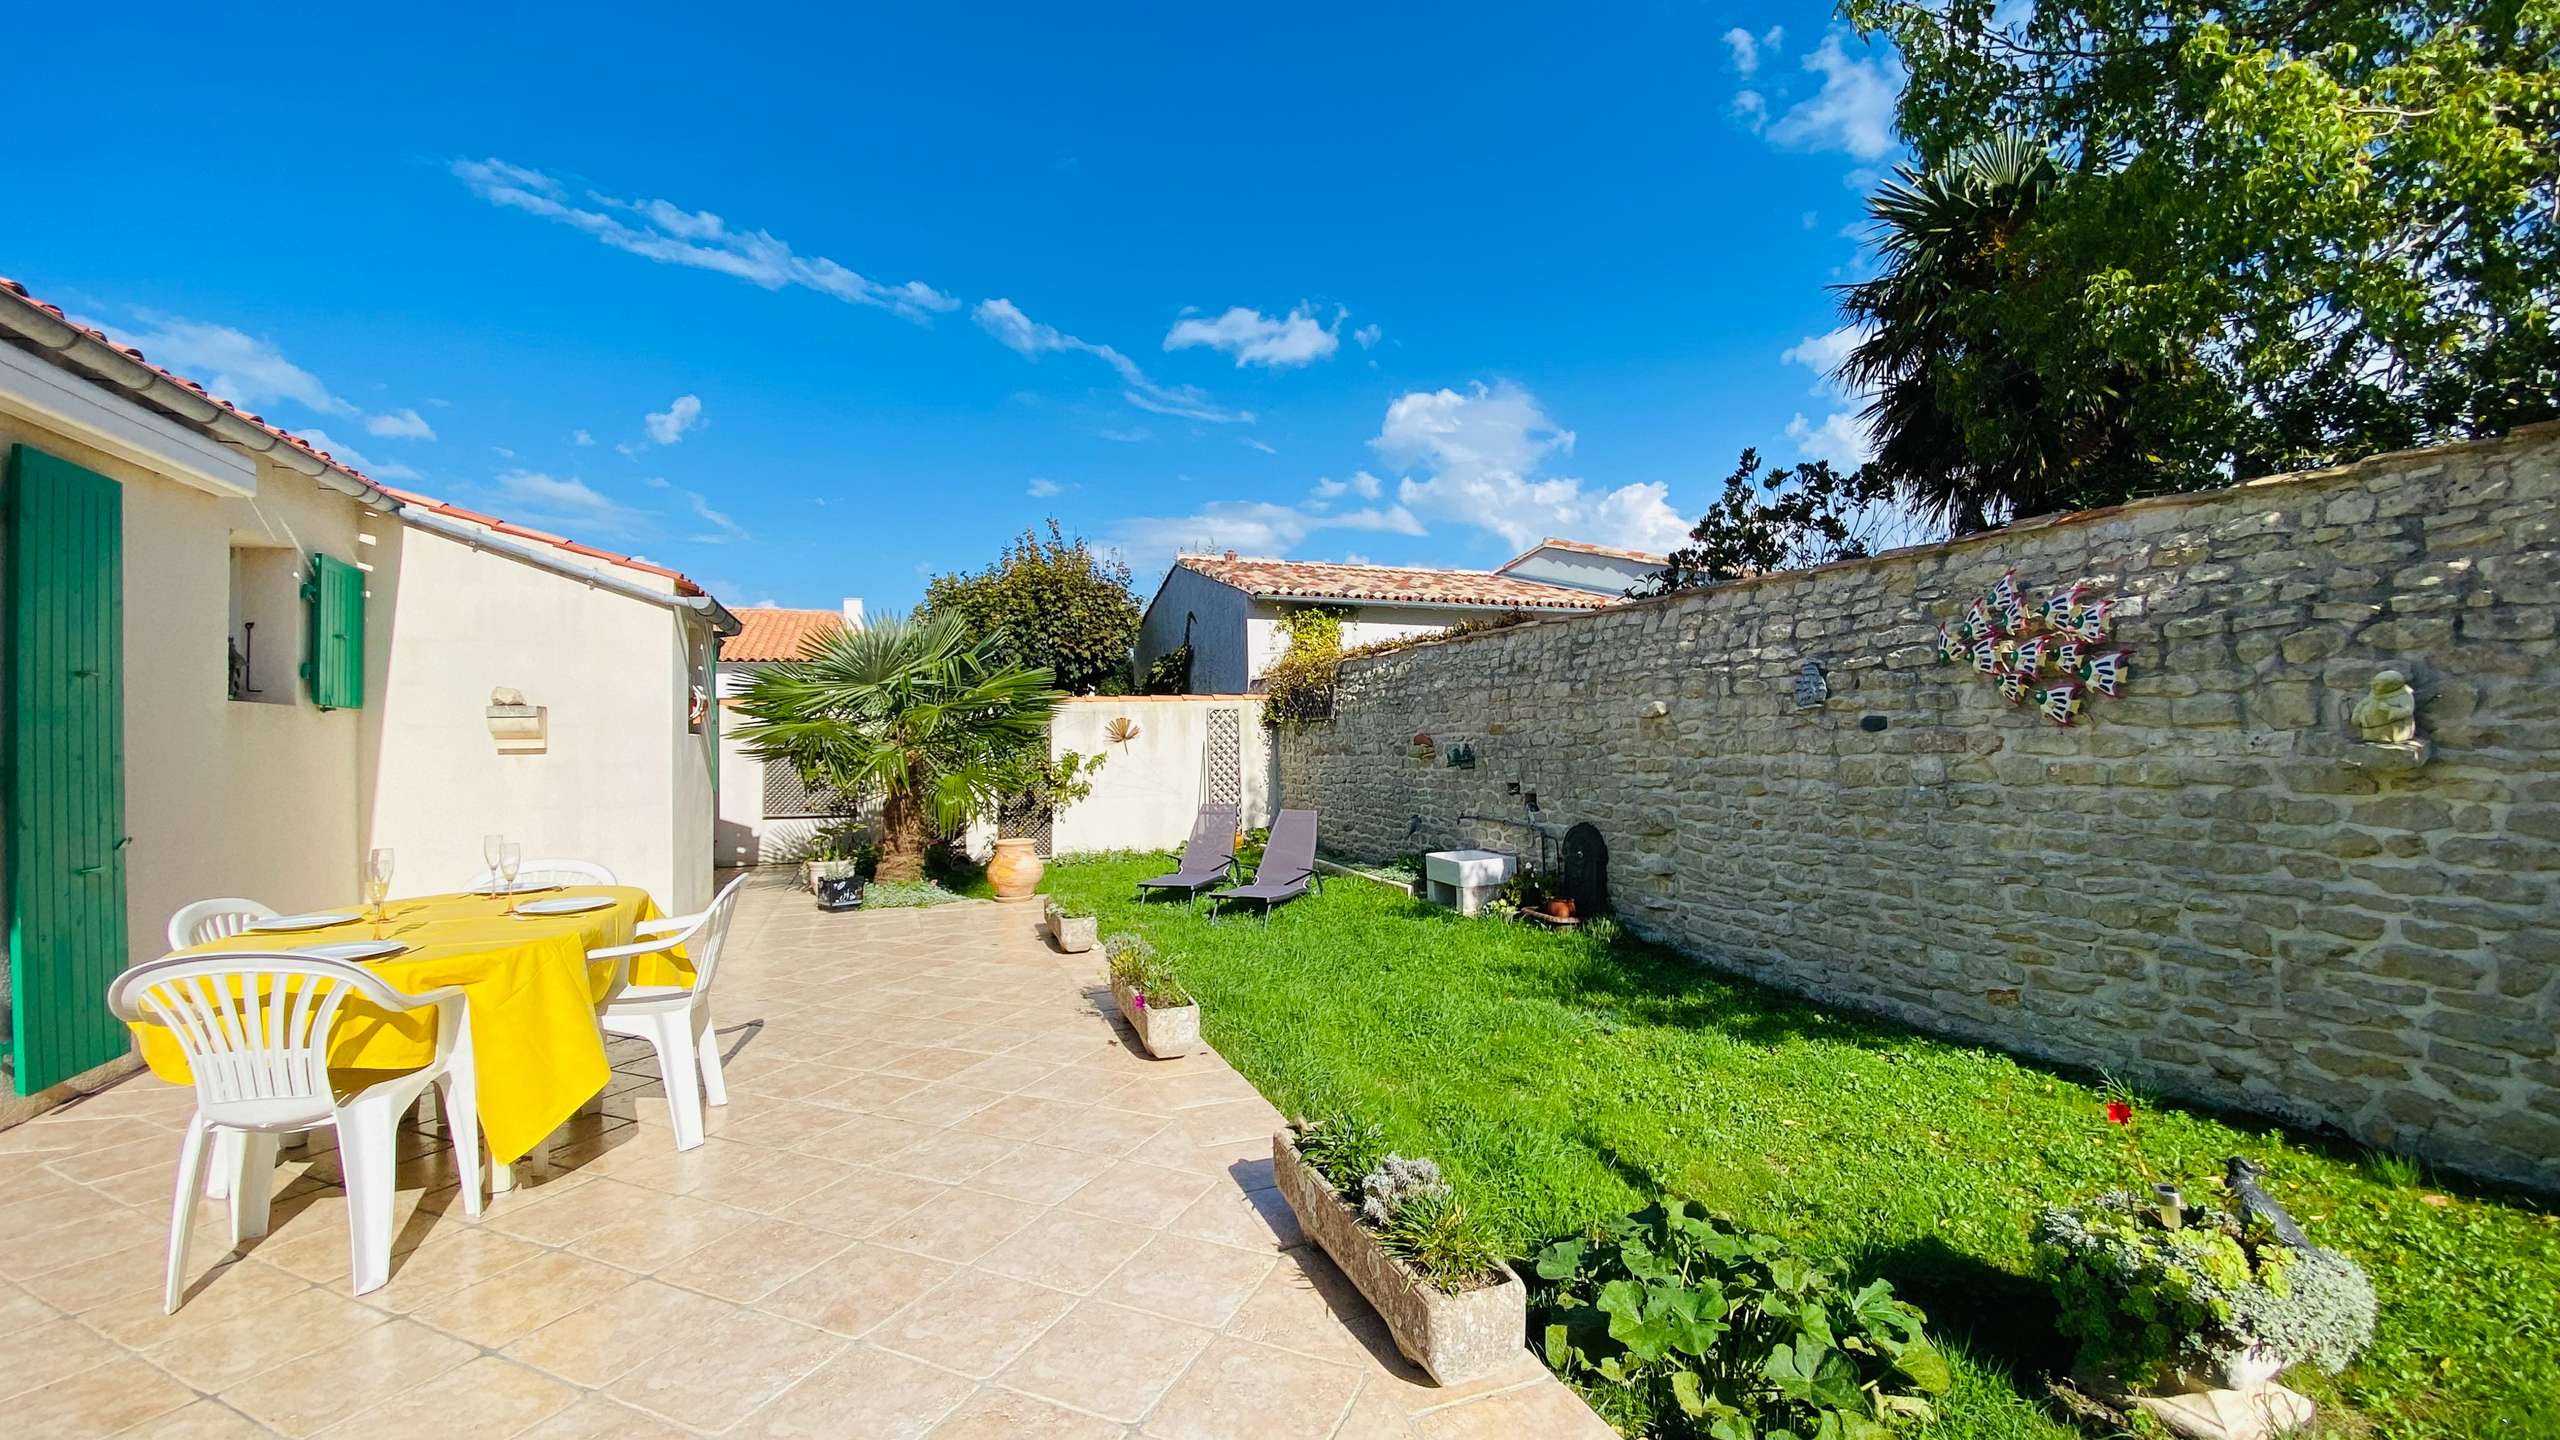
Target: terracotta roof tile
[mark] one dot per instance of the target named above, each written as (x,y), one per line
(769,632)
(684,585)
(1324,580)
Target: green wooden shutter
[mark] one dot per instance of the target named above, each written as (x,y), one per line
(64,668)
(334,596)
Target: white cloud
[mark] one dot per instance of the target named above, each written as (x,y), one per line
(1029,338)
(667,426)
(1265,446)
(570,503)
(1822,355)
(400,425)
(1751,109)
(1841,439)
(1362,483)
(354,459)
(1041,487)
(1852,113)
(1746,47)
(1258,339)
(668,233)
(1368,336)
(1480,453)
(723,529)
(582,438)
(1134,435)
(1252,527)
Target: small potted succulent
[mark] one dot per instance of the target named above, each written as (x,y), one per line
(1072,932)
(1154,1003)
(2167,1297)
(1395,1228)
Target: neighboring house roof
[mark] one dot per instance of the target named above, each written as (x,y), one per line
(1580,548)
(17,293)
(1406,584)
(769,632)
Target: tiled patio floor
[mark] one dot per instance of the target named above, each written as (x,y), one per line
(944,1199)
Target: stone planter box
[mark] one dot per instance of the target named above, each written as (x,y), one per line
(1072,934)
(1168,1034)
(1454,1337)
(813,871)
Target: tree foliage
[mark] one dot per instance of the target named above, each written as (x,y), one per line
(919,713)
(1049,602)
(1791,519)
(2264,234)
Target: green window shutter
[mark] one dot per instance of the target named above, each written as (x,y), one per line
(334,596)
(64,764)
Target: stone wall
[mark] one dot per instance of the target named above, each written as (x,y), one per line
(2207,886)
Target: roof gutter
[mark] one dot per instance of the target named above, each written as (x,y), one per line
(25,321)
(712,611)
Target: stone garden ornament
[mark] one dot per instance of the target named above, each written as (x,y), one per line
(2386,722)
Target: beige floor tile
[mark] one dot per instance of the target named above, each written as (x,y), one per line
(595,1417)
(96,1229)
(777,1124)
(675,1228)
(454,1258)
(147,1152)
(1185,1279)
(311,1392)
(949,1156)
(136,1319)
(958,1225)
(725,1373)
(1067,1250)
(1003,1415)
(1117,1133)
(771,1183)
(1376,1415)
(598,1344)
(973,1322)
(860,1138)
(857,1289)
(749,1262)
(929,1063)
(1307,1305)
(1148,1195)
(206,1420)
(1252,1220)
(1545,1408)
(867,1091)
(488,1396)
(1004,1072)
(515,1303)
(52,1352)
(946,1103)
(1041,1174)
(1107,1360)
(1238,1390)
(237,1348)
(122,1393)
(1231,1121)
(864,1201)
(1023,1117)
(20,1310)
(865,1392)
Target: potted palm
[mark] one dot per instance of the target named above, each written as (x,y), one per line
(920,714)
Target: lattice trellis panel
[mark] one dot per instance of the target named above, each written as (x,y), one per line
(1224,783)
(787,797)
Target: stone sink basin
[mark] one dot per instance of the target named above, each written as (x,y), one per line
(1468,869)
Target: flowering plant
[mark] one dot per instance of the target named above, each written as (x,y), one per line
(1147,977)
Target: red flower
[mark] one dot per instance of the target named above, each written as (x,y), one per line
(2119,1113)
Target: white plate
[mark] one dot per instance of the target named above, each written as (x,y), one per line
(352,949)
(304,922)
(565,905)
(521,887)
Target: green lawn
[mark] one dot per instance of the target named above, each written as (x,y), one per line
(1562,1077)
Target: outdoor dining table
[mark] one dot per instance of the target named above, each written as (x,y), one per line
(528,986)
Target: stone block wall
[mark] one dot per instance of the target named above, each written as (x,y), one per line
(2207,886)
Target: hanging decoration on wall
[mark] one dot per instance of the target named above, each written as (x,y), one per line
(2053,653)
(1121,730)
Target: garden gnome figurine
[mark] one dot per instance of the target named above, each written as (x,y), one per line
(2388,714)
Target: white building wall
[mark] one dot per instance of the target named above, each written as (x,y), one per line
(1150,788)
(1265,641)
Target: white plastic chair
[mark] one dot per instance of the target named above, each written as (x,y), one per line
(207,920)
(550,870)
(675,1019)
(255,1027)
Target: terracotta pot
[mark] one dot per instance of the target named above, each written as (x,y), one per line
(1561,909)
(1015,871)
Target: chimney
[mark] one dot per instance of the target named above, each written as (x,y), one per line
(1231,554)
(853,612)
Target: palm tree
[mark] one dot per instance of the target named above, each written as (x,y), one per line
(918,713)
(1986,404)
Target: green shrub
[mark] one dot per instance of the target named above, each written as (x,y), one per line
(1344,1150)
(1298,687)
(1136,967)
(2144,1299)
(1686,1326)
(1403,1201)
(1434,1233)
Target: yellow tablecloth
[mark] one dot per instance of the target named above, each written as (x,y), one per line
(527,983)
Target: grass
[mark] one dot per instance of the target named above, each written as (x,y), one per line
(1560,1077)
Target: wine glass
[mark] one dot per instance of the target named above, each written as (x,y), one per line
(377,881)
(510,860)
(489,846)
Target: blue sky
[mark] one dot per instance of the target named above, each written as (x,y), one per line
(816,309)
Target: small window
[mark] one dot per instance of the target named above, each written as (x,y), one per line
(265,657)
